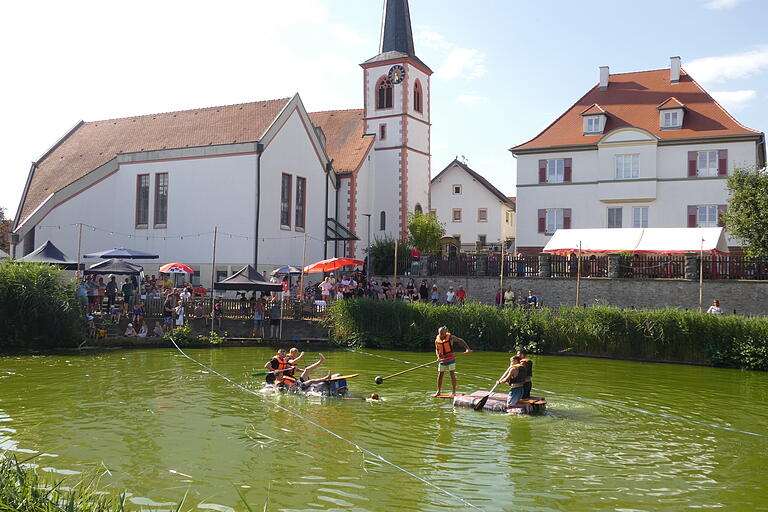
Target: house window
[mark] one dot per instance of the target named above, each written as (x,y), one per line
(481,240)
(301,202)
(382,221)
(593,125)
(382,132)
(142,200)
(195,278)
(706,163)
(457,190)
(482,215)
(285,201)
(456,215)
(706,216)
(417,97)
(509,216)
(670,119)
(418,208)
(614,217)
(555,220)
(161,199)
(627,167)
(384,94)
(640,217)
(221,275)
(556,170)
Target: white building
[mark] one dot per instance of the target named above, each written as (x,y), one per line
(266,175)
(472,210)
(643,149)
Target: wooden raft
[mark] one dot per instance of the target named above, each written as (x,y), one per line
(497,402)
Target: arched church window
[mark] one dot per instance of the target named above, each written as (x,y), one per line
(383,221)
(384,94)
(417,95)
(418,208)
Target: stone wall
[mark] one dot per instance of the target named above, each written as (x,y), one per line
(743,297)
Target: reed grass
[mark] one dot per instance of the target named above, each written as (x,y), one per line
(651,335)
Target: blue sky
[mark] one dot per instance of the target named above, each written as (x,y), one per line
(504,69)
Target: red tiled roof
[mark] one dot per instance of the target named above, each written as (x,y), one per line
(95,143)
(345,137)
(671,102)
(631,99)
(593,110)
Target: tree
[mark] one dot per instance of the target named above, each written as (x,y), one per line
(425,231)
(5,228)
(747,216)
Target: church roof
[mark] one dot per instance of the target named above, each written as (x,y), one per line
(396,34)
(92,144)
(480,179)
(346,141)
(632,100)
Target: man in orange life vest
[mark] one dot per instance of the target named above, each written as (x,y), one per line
(514,376)
(444,351)
(529,372)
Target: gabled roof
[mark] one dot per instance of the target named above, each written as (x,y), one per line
(592,110)
(397,35)
(670,102)
(484,182)
(95,143)
(346,141)
(631,98)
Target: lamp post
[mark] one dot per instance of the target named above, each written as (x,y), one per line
(368,250)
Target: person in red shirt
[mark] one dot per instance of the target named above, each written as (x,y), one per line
(461,295)
(199,291)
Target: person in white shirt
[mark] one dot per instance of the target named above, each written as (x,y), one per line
(715,308)
(143,331)
(325,289)
(450,296)
(130,331)
(185,295)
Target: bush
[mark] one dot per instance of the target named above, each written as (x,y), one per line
(38,307)
(652,335)
(382,252)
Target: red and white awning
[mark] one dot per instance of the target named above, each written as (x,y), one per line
(638,240)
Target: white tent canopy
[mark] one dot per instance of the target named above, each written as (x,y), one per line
(638,240)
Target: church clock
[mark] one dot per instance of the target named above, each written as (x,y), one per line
(396,74)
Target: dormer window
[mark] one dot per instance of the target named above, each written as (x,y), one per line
(671,114)
(594,119)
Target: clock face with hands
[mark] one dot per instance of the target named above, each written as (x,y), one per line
(396,74)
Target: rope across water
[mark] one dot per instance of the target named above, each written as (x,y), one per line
(330,432)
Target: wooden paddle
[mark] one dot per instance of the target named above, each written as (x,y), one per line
(379,380)
(481,403)
(258,374)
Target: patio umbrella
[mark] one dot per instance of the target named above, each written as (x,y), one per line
(115,266)
(123,254)
(176,268)
(331,265)
(286,270)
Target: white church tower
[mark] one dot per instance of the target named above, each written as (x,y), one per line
(397,111)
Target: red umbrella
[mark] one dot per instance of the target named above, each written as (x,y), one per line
(331,265)
(176,268)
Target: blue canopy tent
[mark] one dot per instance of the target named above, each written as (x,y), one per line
(122,254)
(49,253)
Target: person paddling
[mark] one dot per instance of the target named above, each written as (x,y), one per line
(529,370)
(514,376)
(447,359)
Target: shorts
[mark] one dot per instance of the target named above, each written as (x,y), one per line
(447,367)
(93,299)
(258,322)
(83,300)
(168,320)
(275,322)
(515,394)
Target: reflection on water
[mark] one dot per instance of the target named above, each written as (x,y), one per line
(617,435)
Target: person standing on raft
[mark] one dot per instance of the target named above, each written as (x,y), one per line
(447,359)
(529,369)
(514,376)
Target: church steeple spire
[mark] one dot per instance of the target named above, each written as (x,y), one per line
(396,33)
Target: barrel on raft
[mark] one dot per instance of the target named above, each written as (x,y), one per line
(497,402)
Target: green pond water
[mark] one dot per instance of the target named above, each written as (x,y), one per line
(617,435)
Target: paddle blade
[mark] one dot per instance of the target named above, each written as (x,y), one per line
(481,403)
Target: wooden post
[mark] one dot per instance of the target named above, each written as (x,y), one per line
(300,293)
(79,245)
(578,277)
(394,276)
(701,277)
(501,276)
(213,271)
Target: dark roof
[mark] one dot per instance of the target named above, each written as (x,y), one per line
(49,253)
(484,182)
(115,266)
(396,34)
(247,278)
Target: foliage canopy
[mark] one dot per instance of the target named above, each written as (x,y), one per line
(747,216)
(425,231)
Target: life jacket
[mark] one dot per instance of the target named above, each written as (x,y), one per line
(444,348)
(522,374)
(283,363)
(287,380)
(528,366)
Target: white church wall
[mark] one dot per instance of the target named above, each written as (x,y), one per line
(418,181)
(418,135)
(386,194)
(364,179)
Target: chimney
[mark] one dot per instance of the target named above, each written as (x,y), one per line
(674,69)
(603,78)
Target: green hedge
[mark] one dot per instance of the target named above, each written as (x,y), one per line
(38,308)
(653,335)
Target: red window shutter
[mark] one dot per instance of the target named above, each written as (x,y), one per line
(567,173)
(721,210)
(542,226)
(692,157)
(692,213)
(722,162)
(566,218)
(542,171)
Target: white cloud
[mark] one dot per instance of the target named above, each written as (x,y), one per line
(471,98)
(348,35)
(734,100)
(720,69)
(432,39)
(463,63)
(722,4)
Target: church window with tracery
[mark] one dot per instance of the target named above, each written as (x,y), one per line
(384,94)
(417,94)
